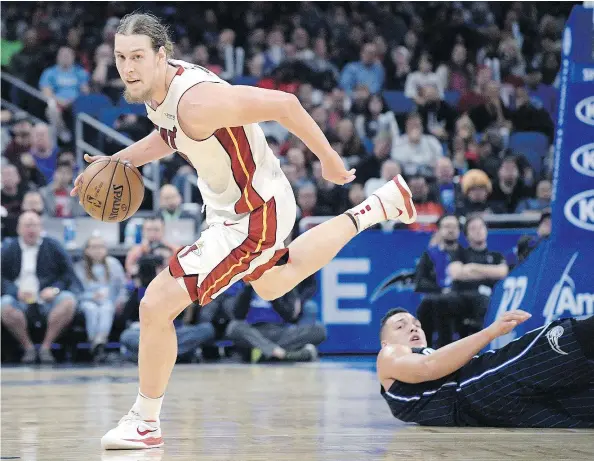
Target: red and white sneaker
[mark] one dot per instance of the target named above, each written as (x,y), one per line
(133,433)
(396,199)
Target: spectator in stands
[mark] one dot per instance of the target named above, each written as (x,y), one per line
(476,187)
(105,78)
(421,78)
(542,96)
(397,69)
(431,278)
(153,233)
(389,170)
(509,189)
(56,195)
(424,205)
(330,196)
(527,117)
(352,147)
(21,139)
(475,96)
(474,271)
(28,63)
(370,166)
(62,84)
(307,202)
(170,202)
(457,74)
(44,151)
(33,201)
(445,189)
(13,192)
(36,271)
(367,71)
(325,73)
(275,335)
(513,66)
(105,291)
(492,114)
(377,119)
(416,151)
(296,157)
(228,56)
(438,116)
(544,191)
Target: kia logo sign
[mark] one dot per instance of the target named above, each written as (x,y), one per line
(579,210)
(584,110)
(582,159)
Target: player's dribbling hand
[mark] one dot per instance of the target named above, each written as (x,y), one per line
(333,170)
(507,322)
(89,159)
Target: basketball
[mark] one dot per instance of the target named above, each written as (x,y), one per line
(111,190)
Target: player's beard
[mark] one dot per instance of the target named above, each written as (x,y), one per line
(143,97)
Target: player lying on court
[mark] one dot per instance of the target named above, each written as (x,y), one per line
(542,379)
(250,207)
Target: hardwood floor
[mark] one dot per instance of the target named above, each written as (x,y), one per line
(313,412)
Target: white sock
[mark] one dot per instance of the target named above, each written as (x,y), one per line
(369,213)
(148,409)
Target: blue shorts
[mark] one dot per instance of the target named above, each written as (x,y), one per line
(45,307)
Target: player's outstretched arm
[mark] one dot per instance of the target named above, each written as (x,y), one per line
(148,149)
(209,106)
(399,363)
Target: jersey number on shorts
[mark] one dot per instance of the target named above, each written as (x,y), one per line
(168,136)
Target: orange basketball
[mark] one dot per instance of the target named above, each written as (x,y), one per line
(111,190)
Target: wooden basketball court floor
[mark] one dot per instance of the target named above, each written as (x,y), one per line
(326,411)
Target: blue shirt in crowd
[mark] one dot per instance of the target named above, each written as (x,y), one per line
(64,83)
(356,73)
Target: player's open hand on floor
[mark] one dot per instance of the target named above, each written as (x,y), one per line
(507,322)
(333,170)
(89,159)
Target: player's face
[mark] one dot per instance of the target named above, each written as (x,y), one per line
(138,66)
(404,329)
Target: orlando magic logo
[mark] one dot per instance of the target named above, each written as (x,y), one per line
(403,280)
(553,336)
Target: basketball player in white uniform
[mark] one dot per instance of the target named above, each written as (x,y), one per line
(250,207)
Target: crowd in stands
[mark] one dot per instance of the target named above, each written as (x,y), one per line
(458,97)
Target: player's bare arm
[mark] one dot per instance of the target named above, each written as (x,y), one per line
(208,107)
(148,149)
(473,271)
(397,362)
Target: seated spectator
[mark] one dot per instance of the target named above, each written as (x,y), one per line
(456,75)
(170,208)
(62,84)
(476,187)
(330,195)
(445,189)
(307,204)
(544,191)
(44,151)
(325,74)
(475,96)
(438,116)
(56,195)
(296,157)
(33,201)
(513,65)
(13,192)
(474,272)
(36,270)
(424,205)
(104,292)
(388,171)
(105,78)
(277,336)
(527,243)
(527,117)
(189,336)
(422,78)
(153,233)
(508,190)
(542,96)
(370,166)
(28,63)
(352,147)
(416,152)
(377,119)
(492,114)
(431,278)
(397,69)
(17,151)
(367,71)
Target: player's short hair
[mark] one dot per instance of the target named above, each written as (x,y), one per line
(147,24)
(390,313)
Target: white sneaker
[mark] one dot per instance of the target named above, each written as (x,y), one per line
(396,200)
(133,433)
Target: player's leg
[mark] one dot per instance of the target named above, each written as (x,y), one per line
(318,246)
(163,301)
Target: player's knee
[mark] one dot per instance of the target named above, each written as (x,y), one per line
(318,334)
(149,311)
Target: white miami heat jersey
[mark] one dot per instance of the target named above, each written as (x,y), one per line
(237,171)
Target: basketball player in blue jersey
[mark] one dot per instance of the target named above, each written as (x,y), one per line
(542,379)
(250,206)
